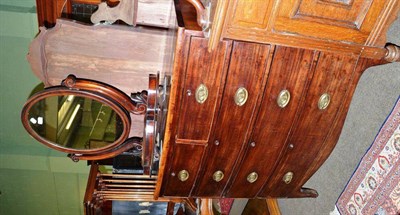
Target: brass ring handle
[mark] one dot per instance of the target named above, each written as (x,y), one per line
(287,178)
(241,96)
(201,93)
(218,176)
(324,101)
(183,175)
(252,177)
(283,98)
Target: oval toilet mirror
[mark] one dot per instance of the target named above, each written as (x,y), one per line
(75,120)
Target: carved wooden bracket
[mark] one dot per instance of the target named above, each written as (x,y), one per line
(202,14)
(126,11)
(200,10)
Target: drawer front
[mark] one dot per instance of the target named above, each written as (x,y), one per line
(289,73)
(185,165)
(324,99)
(245,81)
(204,80)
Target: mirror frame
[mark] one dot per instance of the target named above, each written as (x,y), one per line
(106,94)
(150,125)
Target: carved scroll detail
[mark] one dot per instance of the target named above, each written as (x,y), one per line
(140,101)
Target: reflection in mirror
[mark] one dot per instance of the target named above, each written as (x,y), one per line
(75,122)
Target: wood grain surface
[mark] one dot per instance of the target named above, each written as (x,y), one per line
(248,69)
(202,68)
(332,75)
(290,70)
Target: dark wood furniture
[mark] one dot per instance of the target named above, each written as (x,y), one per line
(295,104)
(259,90)
(104,188)
(299,64)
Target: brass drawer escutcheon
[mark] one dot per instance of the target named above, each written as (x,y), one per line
(324,101)
(201,93)
(287,178)
(252,177)
(218,176)
(283,98)
(183,175)
(241,96)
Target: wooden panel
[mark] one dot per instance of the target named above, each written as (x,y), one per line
(247,69)
(50,10)
(356,27)
(332,75)
(202,68)
(290,70)
(251,13)
(347,13)
(388,15)
(73,48)
(185,157)
(179,65)
(333,137)
(350,20)
(160,13)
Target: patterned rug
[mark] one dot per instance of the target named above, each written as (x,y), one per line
(226,205)
(374,187)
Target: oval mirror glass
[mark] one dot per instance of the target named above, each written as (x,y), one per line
(75,122)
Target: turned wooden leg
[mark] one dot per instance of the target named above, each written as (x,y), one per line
(170,208)
(273,207)
(392,53)
(206,207)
